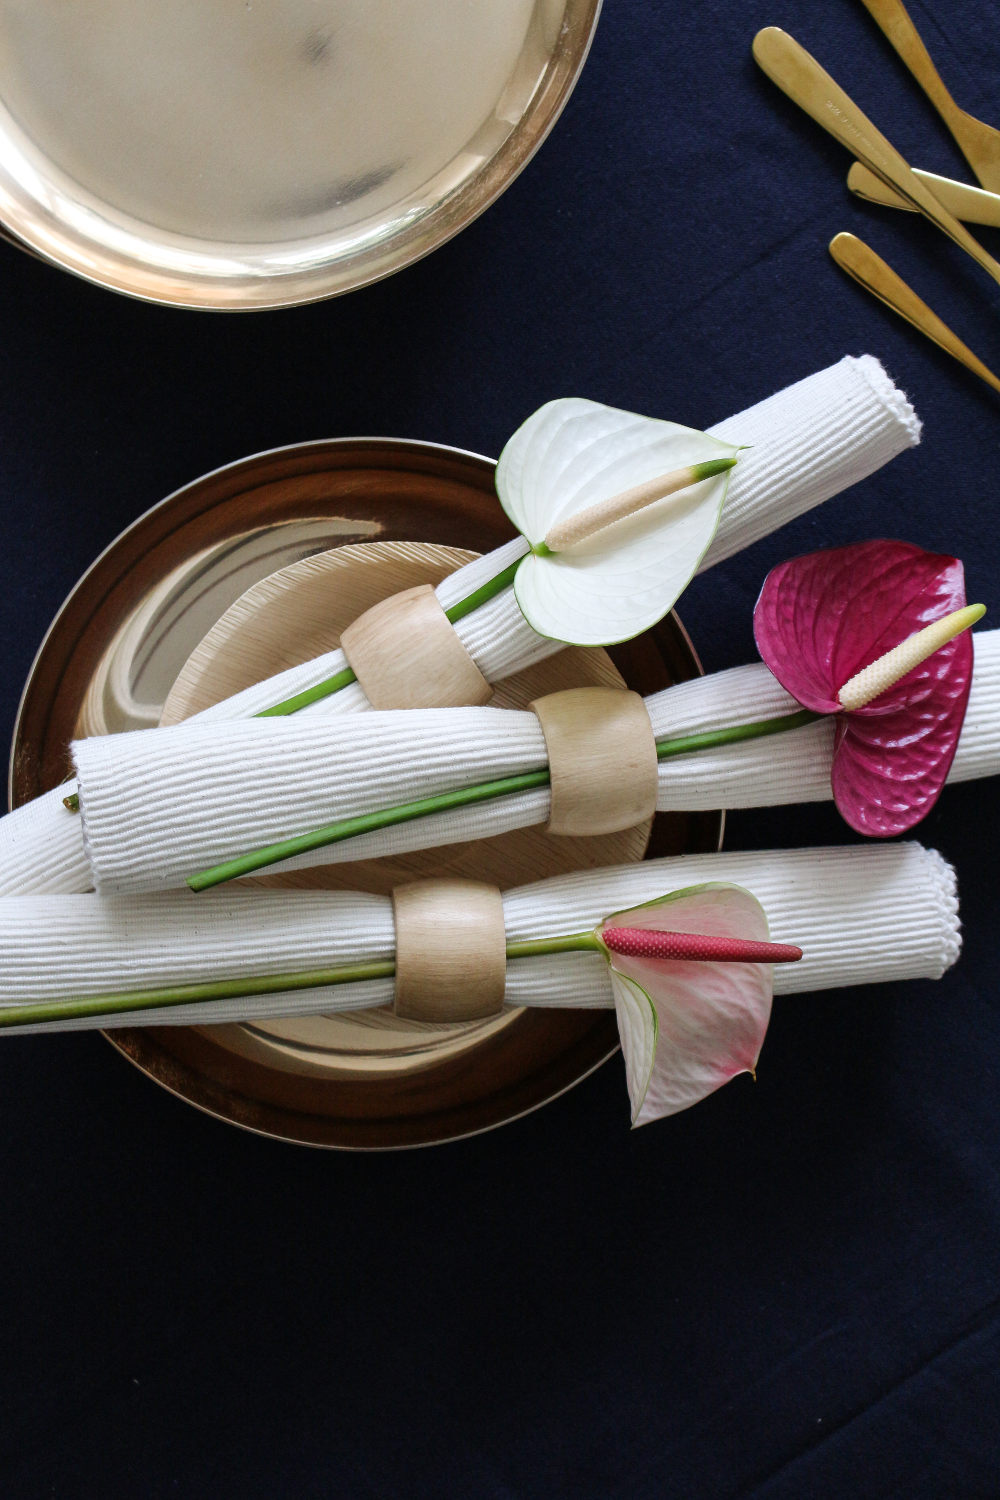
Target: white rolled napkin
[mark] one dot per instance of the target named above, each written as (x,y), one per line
(160,807)
(861,914)
(805,444)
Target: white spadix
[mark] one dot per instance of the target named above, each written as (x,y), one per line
(882,674)
(587,523)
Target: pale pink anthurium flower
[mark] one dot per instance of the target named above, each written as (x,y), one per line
(688,1025)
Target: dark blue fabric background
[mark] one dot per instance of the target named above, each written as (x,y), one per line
(790,1290)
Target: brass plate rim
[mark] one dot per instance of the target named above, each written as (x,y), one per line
(37,229)
(122,1043)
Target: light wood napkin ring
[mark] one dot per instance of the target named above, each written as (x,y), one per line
(406,653)
(602,759)
(451,950)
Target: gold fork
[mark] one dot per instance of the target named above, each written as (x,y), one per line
(978,143)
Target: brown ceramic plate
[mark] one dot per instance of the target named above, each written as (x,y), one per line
(239,156)
(109,661)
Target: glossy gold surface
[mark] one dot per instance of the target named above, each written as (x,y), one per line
(871,272)
(214,154)
(978,143)
(800,76)
(970,204)
(108,662)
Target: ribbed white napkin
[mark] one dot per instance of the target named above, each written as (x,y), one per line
(159,807)
(861,914)
(806,443)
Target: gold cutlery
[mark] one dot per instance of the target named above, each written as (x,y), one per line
(971,204)
(871,272)
(978,143)
(800,76)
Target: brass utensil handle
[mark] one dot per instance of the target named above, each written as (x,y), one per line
(800,76)
(871,272)
(971,204)
(893,20)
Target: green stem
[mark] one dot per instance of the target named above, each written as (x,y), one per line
(572,942)
(389,817)
(324,689)
(190,994)
(485,592)
(711,739)
(348,828)
(267,984)
(345,676)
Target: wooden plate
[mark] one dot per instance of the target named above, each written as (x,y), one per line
(124,636)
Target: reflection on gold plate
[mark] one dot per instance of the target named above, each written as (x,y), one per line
(127,647)
(238,156)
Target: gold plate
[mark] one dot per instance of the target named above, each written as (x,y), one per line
(217,154)
(109,661)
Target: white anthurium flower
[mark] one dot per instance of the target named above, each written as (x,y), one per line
(692,978)
(618,511)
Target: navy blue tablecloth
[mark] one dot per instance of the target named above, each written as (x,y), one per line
(788,1291)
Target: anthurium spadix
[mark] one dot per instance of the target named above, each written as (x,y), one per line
(618,511)
(692,981)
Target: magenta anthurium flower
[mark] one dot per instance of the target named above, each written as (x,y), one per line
(691,976)
(821,619)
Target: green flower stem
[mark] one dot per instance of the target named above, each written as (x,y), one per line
(483,593)
(324,689)
(189,994)
(348,828)
(573,942)
(343,678)
(267,984)
(712,738)
(389,817)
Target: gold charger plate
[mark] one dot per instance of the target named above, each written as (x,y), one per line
(163,598)
(217,154)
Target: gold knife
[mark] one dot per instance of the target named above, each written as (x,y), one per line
(871,272)
(800,76)
(971,204)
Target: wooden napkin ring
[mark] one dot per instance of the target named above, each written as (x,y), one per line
(451,950)
(406,653)
(602,759)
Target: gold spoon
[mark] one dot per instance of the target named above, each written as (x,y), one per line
(800,76)
(871,272)
(978,143)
